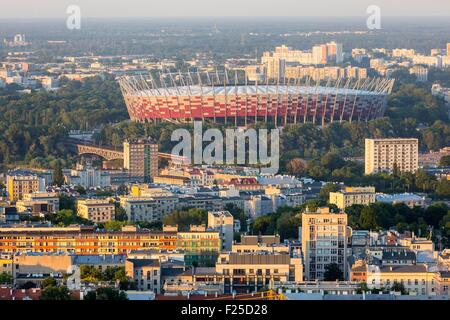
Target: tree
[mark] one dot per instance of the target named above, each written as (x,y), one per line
(66,202)
(445,161)
(67,217)
(332,272)
(296,166)
(362,287)
(55,293)
(48,282)
(238,214)
(326,189)
(443,189)
(368,218)
(184,218)
(332,161)
(106,294)
(114,225)
(120,214)
(122,190)
(399,287)
(90,273)
(80,190)
(58,177)
(6,278)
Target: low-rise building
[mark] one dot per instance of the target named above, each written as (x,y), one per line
(96,210)
(410,199)
(252,272)
(353,195)
(416,244)
(87,177)
(415,278)
(39,202)
(148,208)
(258,205)
(261,243)
(146,273)
(442,283)
(36,267)
(203,202)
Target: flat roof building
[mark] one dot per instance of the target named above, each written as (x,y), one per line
(386,155)
(96,210)
(352,195)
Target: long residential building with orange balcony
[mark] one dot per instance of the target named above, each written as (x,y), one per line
(199,246)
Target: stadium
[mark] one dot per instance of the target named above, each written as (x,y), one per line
(218,98)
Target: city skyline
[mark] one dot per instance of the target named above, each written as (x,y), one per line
(224,158)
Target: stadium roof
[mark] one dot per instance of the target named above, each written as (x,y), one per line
(249,89)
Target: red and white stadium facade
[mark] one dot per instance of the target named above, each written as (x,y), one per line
(213,97)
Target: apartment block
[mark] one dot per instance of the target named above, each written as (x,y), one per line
(383,155)
(324,242)
(353,195)
(148,208)
(19,185)
(251,272)
(223,222)
(141,159)
(37,202)
(96,210)
(146,273)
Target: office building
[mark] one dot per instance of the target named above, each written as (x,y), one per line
(140,159)
(353,195)
(96,210)
(384,155)
(324,242)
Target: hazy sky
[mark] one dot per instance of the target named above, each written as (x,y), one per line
(172,8)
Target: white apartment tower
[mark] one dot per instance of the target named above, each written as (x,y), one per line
(383,155)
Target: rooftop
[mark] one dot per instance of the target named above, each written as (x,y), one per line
(249,89)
